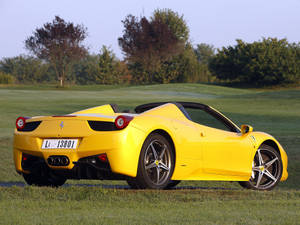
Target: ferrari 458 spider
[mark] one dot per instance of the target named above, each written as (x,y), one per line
(155,147)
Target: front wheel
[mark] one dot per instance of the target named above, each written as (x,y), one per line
(156,163)
(172,184)
(266,169)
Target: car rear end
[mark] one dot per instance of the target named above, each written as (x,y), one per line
(78,146)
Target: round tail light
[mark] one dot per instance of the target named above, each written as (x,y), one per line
(20,122)
(122,121)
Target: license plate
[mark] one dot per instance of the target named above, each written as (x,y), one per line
(59,143)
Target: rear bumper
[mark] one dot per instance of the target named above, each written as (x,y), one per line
(121,147)
(86,168)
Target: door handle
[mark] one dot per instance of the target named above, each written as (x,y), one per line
(202,134)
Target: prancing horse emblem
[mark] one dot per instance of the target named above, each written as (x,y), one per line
(61,124)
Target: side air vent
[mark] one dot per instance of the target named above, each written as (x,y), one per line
(102,125)
(30,126)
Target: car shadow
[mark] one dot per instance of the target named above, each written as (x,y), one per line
(12,184)
(106,186)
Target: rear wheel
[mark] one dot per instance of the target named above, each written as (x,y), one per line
(156,164)
(266,169)
(42,176)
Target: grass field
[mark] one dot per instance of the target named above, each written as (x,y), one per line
(104,202)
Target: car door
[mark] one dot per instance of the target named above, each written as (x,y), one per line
(226,152)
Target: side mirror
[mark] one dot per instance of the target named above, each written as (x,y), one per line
(246,129)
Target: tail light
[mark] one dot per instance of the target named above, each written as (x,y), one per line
(102,157)
(122,121)
(25,157)
(20,122)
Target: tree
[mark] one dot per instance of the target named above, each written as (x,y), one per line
(86,70)
(60,43)
(6,78)
(182,68)
(150,44)
(267,62)
(103,68)
(204,52)
(27,69)
(108,66)
(175,22)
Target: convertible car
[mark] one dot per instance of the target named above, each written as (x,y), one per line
(156,147)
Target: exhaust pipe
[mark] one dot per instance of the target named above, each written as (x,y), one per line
(58,160)
(50,161)
(64,160)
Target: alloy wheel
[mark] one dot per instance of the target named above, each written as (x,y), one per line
(266,169)
(157,162)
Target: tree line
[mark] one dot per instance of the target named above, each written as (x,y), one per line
(156,50)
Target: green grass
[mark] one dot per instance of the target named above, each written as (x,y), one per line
(96,205)
(275,111)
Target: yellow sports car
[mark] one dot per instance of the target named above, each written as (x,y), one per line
(155,147)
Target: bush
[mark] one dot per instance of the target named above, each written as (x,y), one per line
(266,62)
(6,78)
(27,69)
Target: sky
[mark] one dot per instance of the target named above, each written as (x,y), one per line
(215,22)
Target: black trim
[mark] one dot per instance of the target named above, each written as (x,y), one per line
(95,162)
(102,125)
(30,126)
(180,105)
(31,162)
(85,168)
(92,168)
(193,105)
(182,109)
(114,107)
(148,106)
(223,119)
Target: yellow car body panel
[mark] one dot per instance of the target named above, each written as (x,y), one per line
(201,152)
(104,109)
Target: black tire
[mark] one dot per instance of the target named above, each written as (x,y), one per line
(132,183)
(43,177)
(266,169)
(156,164)
(172,183)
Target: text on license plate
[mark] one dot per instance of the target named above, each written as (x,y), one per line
(59,144)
